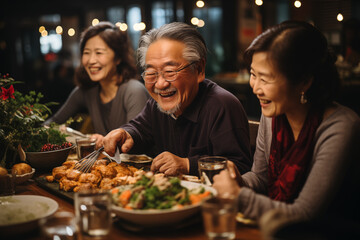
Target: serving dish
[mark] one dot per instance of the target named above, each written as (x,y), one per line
(19,179)
(49,159)
(132,158)
(21,213)
(165,217)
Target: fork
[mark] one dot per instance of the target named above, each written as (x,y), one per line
(116,158)
(85,164)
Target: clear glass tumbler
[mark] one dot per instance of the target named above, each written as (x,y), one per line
(93,212)
(219,218)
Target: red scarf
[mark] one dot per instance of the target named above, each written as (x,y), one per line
(289,160)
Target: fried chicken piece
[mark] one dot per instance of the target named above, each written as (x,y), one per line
(107,183)
(106,172)
(69,163)
(73,174)
(101,162)
(50,178)
(112,164)
(84,186)
(120,180)
(123,170)
(94,177)
(67,185)
(59,172)
(132,168)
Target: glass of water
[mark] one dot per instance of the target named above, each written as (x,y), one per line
(93,212)
(209,166)
(219,218)
(60,226)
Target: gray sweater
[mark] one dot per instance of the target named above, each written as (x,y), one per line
(332,185)
(128,102)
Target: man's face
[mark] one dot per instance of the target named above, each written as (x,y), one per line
(172,97)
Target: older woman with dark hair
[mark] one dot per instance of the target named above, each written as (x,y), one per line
(306,161)
(107,88)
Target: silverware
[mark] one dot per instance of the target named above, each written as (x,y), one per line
(75,132)
(85,164)
(116,157)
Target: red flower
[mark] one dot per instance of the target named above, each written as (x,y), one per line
(6,93)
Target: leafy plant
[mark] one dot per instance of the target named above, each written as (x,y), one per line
(21,119)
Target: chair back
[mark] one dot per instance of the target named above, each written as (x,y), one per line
(253,130)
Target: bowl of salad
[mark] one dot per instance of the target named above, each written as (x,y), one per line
(156,200)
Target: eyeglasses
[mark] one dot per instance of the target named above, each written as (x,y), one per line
(169,76)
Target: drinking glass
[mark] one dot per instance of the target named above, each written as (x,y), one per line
(219,218)
(84,146)
(209,166)
(93,212)
(60,226)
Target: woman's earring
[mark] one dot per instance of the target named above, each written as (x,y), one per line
(303,98)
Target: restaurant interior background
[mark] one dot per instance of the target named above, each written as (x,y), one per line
(39,39)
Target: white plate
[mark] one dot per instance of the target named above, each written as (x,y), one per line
(131,158)
(18,210)
(154,217)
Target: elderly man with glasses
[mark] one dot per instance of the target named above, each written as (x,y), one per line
(188,116)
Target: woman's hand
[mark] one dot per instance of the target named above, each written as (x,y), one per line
(227,182)
(234,173)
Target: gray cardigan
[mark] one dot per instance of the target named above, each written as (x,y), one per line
(128,102)
(332,184)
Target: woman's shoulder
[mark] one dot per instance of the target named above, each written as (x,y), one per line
(341,121)
(133,83)
(341,114)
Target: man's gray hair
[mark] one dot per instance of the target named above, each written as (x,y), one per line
(195,47)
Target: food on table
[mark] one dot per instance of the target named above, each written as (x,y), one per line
(3,171)
(157,192)
(103,175)
(21,168)
(51,147)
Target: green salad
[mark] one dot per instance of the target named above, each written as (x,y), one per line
(157,192)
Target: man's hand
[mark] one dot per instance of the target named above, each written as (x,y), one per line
(118,137)
(99,140)
(170,164)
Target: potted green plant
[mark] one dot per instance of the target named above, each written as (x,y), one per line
(21,123)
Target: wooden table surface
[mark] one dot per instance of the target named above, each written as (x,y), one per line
(192,231)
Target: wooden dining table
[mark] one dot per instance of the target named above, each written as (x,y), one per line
(193,230)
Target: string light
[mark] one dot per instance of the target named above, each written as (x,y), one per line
(201,23)
(71,32)
(139,26)
(194,21)
(259,2)
(122,26)
(95,21)
(200,4)
(297,4)
(340,17)
(44,33)
(41,29)
(59,30)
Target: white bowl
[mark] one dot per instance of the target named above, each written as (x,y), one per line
(21,213)
(163,217)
